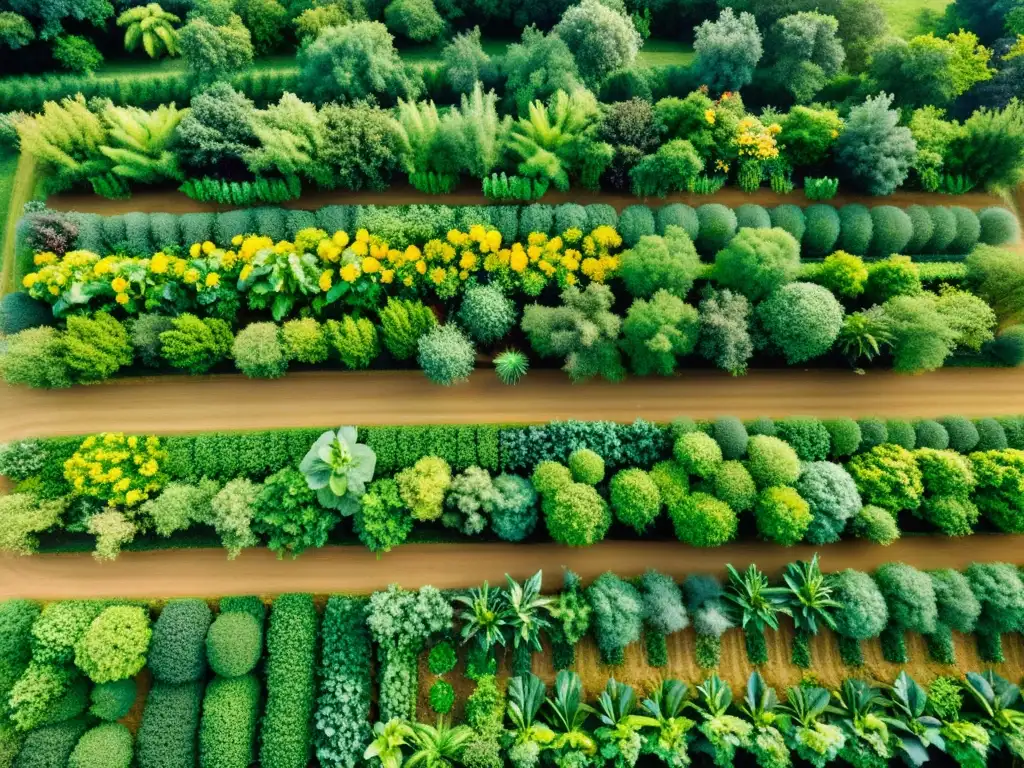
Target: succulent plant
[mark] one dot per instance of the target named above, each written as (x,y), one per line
(338,469)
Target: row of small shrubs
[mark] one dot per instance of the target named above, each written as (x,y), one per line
(821,229)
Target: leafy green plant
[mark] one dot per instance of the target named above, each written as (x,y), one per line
(722,733)
(338,468)
(810,603)
(757,606)
(859,707)
(526,696)
(567,715)
(998,700)
(485,617)
(809,735)
(760,704)
(915,731)
(388,740)
(670,742)
(619,734)
(524,606)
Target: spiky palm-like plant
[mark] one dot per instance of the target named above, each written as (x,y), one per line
(756,606)
(152,26)
(388,740)
(810,603)
(484,617)
(138,142)
(511,366)
(438,746)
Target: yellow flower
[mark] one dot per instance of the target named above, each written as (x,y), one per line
(328,251)
(325,280)
(191,275)
(362,236)
(536,238)
(349,273)
(570,263)
(119,284)
(54,290)
(246,271)
(421,267)
(370,265)
(437,275)
(533,252)
(412,253)
(493,240)
(709,115)
(387,276)
(518,261)
(407,281)
(360,248)
(340,238)
(179,267)
(570,279)
(133,497)
(194,250)
(121,298)
(42,259)
(463,275)
(212,280)
(208,247)
(236,240)
(468,260)
(101,268)
(29,280)
(158,264)
(835,134)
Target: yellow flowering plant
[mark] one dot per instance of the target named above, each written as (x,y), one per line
(121,470)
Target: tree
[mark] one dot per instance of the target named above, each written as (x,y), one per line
(808,134)
(862,23)
(991,147)
(362,147)
(727,51)
(65,137)
(600,39)
(618,615)
(312,21)
(802,320)
(537,67)
(658,333)
(15,30)
(213,52)
(77,54)
(921,337)
(466,63)
(583,331)
(266,20)
(986,17)
(576,515)
(807,51)
(290,140)
(874,149)
(152,26)
(415,19)
(757,261)
(217,131)
(354,62)
(725,331)
(930,70)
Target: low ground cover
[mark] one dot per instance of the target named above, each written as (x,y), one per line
(575,483)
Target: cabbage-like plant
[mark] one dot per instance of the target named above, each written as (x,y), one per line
(619,734)
(766,743)
(861,710)
(998,701)
(338,469)
(813,739)
(670,742)
(722,734)
(914,730)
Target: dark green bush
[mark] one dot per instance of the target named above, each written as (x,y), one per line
(963,435)
(731,436)
(50,746)
(112,701)
(176,650)
(1008,347)
(286,735)
(892,277)
(1013,428)
(998,226)
(227,733)
(537,217)
(717,227)
(944,225)
(968,230)
(16,618)
(634,222)
(931,434)
(751,216)
(198,227)
(923,227)
(19,311)
(761,426)
(163,230)
(678,215)
(901,433)
(807,436)
(234,644)
(991,436)
(844,435)
(334,218)
(822,232)
(105,746)
(231,223)
(599,215)
(790,218)
(872,432)
(167,735)
(570,216)
(856,229)
(891,230)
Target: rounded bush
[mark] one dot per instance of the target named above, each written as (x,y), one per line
(731,436)
(599,215)
(891,230)
(701,520)
(50,746)
(807,436)
(112,701)
(872,432)
(862,613)
(822,233)
(842,273)
(771,462)
(892,277)
(991,436)
(678,215)
(227,733)
(888,476)
(514,517)
(930,434)
(698,454)
(442,697)
(234,644)
(750,216)
(304,341)
(832,497)
(106,746)
(446,355)
(486,313)
(901,433)
(570,216)
(1008,347)
(576,515)
(19,311)
(717,227)
(672,481)
(635,498)
(656,263)
(536,217)
(757,262)
(876,525)
(802,320)
(963,435)
(586,466)
(635,222)
(258,353)
(733,484)
(844,437)
(177,653)
(782,516)
(761,426)
(1013,428)
(910,596)
(952,515)
(170,720)
(791,219)
(442,658)
(856,229)
(943,229)
(549,476)
(968,230)
(922,226)
(114,647)
(998,226)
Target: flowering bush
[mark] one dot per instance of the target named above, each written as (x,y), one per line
(119,469)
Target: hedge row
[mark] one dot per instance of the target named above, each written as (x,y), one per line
(170,721)
(228,730)
(821,229)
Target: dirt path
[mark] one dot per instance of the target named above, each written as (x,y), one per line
(185,404)
(172,201)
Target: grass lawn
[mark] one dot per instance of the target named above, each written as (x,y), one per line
(905,15)
(17,185)
(166,66)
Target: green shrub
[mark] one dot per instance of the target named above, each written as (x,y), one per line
(968,230)
(635,498)
(791,219)
(287,514)
(234,644)
(486,313)
(923,228)
(958,607)
(170,720)
(832,499)
(442,697)
(176,654)
(112,701)
(701,520)
(514,516)
(888,476)
(586,466)
(822,232)
(635,222)
(761,426)
(1013,427)
(717,227)
(772,462)
(105,746)
(599,215)
(891,230)
(672,481)
(536,218)
(50,746)
(422,487)
(442,658)
(304,341)
(991,436)
(697,454)
(16,619)
(782,515)
(195,345)
(856,229)
(862,613)
(618,610)
(733,484)
(1000,476)
(576,515)
(872,432)
(901,433)
(751,216)
(757,262)
(402,324)
(114,647)
(669,262)
(353,340)
(910,596)
(227,733)
(550,476)
(446,355)
(953,516)
(1008,347)
(875,525)
(676,215)
(731,436)
(570,216)
(807,436)
(35,357)
(998,226)
(892,277)
(286,735)
(963,435)
(144,334)
(802,320)
(59,627)
(999,591)
(19,311)
(659,333)
(258,353)
(931,434)
(944,225)
(844,437)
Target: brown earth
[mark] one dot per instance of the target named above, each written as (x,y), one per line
(172,201)
(191,404)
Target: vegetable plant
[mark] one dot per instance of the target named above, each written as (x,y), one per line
(338,468)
